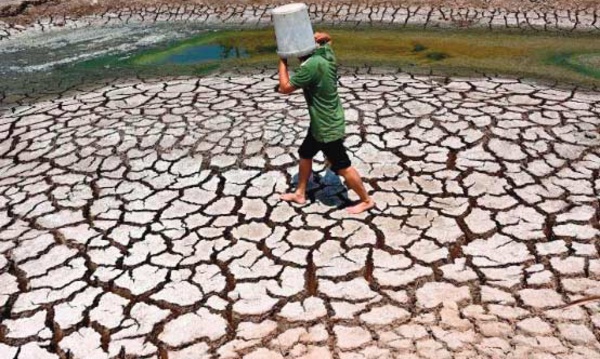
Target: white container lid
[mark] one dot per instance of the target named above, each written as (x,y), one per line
(289,8)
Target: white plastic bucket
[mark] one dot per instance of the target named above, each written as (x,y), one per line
(295,37)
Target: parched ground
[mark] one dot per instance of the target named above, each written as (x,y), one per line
(142,220)
(30,18)
(29,11)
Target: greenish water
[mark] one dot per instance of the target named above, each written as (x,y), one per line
(445,52)
(587,64)
(565,58)
(215,47)
(195,55)
(199,54)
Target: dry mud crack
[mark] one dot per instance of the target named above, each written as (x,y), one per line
(141,220)
(535,15)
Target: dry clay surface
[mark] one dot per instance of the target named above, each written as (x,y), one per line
(524,16)
(142,220)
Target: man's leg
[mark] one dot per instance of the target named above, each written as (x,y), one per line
(304,171)
(354,182)
(307,151)
(341,165)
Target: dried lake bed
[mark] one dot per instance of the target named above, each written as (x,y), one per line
(139,212)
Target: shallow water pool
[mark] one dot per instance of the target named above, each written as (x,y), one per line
(201,54)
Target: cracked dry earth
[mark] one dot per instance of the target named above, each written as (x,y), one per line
(141,220)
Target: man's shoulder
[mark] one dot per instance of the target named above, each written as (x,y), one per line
(312,64)
(316,61)
(311,61)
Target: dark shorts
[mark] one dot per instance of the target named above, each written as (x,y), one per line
(334,151)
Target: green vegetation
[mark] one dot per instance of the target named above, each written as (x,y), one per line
(419,48)
(585,64)
(437,56)
(567,58)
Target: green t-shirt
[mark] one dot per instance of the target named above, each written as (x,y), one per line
(317,76)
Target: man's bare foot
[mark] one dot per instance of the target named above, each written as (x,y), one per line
(361,207)
(293,197)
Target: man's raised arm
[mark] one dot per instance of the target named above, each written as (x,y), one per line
(284,78)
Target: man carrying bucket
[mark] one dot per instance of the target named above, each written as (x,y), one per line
(317,77)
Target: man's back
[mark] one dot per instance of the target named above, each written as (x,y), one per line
(317,76)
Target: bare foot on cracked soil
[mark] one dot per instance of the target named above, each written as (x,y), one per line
(361,207)
(293,197)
